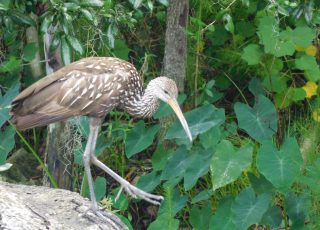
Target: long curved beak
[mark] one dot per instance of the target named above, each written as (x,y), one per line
(176,108)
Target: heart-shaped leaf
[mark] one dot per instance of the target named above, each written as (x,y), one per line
(6,143)
(280,167)
(249,209)
(227,163)
(223,218)
(5,102)
(140,138)
(260,122)
(200,120)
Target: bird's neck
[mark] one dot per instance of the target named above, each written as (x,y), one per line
(144,105)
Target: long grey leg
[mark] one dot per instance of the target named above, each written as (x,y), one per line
(89,151)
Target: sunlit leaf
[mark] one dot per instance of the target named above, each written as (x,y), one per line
(280,167)
(11,65)
(248,209)
(140,138)
(92,3)
(75,44)
(227,163)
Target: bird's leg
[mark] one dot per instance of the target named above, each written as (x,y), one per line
(129,188)
(89,151)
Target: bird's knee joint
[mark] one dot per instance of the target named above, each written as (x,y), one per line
(86,158)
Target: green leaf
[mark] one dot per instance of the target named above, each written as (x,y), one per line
(137,3)
(272,218)
(92,3)
(223,219)
(252,54)
(210,138)
(149,182)
(166,110)
(75,44)
(21,18)
(200,120)
(65,51)
(55,42)
(164,220)
(140,138)
(303,36)
(297,208)
(249,209)
(99,185)
(11,65)
(260,184)
(260,122)
(122,203)
(46,23)
(228,23)
(309,65)
(199,217)
(280,167)
(121,49)
(29,51)
(173,202)
(160,157)
(227,163)
(5,5)
(6,143)
(163,2)
(5,102)
(203,195)
(275,83)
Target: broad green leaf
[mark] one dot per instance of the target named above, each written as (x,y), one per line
(280,167)
(165,109)
(173,202)
(11,65)
(75,44)
(210,138)
(29,51)
(149,182)
(252,54)
(125,221)
(297,208)
(245,28)
(164,221)
(311,175)
(198,168)
(5,167)
(268,32)
(92,3)
(140,138)
(275,83)
(160,157)
(100,184)
(272,217)
(303,36)
(122,203)
(6,143)
(260,184)
(199,120)
(199,217)
(121,49)
(260,122)
(223,219)
(228,163)
(5,102)
(203,195)
(65,51)
(21,18)
(249,209)
(309,65)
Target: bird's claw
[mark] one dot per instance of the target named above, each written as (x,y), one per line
(138,193)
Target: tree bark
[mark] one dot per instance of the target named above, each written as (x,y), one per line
(36,207)
(175,54)
(59,162)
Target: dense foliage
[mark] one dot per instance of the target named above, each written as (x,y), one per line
(251,101)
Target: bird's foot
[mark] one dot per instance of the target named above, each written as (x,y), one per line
(138,193)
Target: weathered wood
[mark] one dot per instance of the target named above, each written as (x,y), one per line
(175,54)
(36,207)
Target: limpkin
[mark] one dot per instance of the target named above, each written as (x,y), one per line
(93,87)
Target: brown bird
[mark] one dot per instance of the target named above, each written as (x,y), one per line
(93,87)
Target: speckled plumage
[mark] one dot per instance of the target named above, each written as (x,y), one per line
(91,87)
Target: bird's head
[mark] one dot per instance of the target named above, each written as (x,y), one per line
(166,90)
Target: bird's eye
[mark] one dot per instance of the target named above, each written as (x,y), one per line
(165,91)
